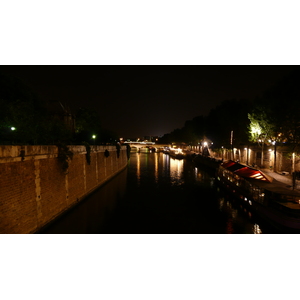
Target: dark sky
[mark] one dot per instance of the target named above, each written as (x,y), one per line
(136,101)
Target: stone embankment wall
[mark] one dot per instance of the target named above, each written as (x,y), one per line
(35,188)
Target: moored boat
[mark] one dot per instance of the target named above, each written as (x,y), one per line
(269,198)
(177,155)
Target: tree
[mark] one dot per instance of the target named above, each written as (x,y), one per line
(261,129)
(229,116)
(275,118)
(29,116)
(88,123)
(20,109)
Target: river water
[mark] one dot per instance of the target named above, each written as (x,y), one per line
(159,194)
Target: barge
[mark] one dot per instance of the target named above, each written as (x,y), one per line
(269,198)
(175,153)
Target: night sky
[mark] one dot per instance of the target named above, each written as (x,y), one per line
(137,101)
(143,100)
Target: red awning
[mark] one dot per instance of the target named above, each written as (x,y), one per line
(246,172)
(254,174)
(228,164)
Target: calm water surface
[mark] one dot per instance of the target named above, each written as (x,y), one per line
(159,194)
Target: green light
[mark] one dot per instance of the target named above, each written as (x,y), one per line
(13,128)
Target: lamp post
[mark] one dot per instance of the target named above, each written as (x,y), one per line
(231,143)
(94,138)
(222,149)
(205,149)
(247,155)
(13,129)
(274,168)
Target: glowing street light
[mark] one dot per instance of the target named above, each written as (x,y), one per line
(13,128)
(94,138)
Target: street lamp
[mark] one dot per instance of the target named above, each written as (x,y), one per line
(94,138)
(13,128)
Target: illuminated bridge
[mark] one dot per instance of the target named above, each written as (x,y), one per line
(139,145)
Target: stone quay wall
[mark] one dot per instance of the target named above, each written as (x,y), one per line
(35,188)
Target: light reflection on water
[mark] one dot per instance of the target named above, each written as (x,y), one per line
(178,179)
(156,156)
(138,168)
(176,170)
(256,229)
(160,195)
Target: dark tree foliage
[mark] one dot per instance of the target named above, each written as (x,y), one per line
(22,110)
(38,122)
(230,115)
(192,132)
(88,123)
(281,104)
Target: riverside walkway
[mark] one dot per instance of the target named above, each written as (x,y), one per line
(287,180)
(284,181)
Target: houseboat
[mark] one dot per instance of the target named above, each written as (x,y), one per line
(272,200)
(176,153)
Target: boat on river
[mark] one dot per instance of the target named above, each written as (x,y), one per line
(174,152)
(177,153)
(269,198)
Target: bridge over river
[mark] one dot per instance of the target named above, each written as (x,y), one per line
(140,145)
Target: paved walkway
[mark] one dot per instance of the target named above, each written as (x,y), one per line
(286,179)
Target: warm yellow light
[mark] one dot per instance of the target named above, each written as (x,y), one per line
(255,129)
(93,136)
(205,144)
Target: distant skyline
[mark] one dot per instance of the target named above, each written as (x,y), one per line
(136,101)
